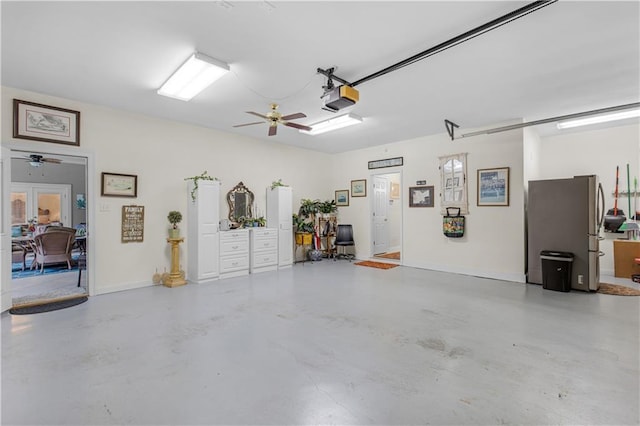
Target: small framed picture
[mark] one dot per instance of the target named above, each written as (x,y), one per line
(45,123)
(342,197)
(493,187)
(119,185)
(359,188)
(395,190)
(421,196)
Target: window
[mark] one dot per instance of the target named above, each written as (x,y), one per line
(453,184)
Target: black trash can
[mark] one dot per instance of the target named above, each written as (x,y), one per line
(556,270)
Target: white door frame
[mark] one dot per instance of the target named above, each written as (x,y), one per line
(378,172)
(29,147)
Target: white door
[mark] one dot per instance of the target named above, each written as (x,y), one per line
(380,220)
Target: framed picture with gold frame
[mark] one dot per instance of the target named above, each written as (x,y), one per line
(359,188)
(342,197)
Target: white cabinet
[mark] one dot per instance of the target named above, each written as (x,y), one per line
(203,217)
(279,212)
(263,244)
(234,253)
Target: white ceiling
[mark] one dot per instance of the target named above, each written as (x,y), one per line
(568,57)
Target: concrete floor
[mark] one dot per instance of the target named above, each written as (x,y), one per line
(327,343)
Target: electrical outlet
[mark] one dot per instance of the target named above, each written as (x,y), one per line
(580,279)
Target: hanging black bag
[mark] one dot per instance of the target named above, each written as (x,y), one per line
(453,225)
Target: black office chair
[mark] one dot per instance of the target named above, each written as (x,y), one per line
(344,238)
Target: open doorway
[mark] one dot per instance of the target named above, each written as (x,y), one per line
(48,197)
(386,217)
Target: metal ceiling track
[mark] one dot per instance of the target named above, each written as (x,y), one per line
(451,126)
(496,23)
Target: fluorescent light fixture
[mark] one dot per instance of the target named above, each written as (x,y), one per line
(599,119)
(195,75)
(333,124)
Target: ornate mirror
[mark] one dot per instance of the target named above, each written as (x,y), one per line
(240,201)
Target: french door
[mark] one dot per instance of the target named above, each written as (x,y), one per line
(41,203)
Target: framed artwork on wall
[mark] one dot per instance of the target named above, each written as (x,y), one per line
(342,197)
(119,185)
(359,188)
(421,196)
(493,187)
(395,190)
(45,123)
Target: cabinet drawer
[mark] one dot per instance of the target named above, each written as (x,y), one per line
(229,264)
(265,244)
(230,247)
(265,232)
(234,235)
(264,259)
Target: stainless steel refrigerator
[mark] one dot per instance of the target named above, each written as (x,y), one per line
(566,215)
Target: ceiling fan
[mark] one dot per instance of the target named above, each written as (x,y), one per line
(274,118)
(36,160)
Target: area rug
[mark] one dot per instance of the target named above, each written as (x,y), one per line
(47,307)
(379,265)
(17,272)
(394,255)
(618,290)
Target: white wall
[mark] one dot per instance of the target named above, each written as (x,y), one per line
(595,152)
(162,153)
(493,245)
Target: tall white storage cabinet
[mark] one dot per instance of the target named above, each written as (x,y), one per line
(203,237)
(279,212)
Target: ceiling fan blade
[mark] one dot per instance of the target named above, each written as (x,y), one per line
(273,130)
(293,116)
(51,160)
(298,126)
(258,114)
(249,124)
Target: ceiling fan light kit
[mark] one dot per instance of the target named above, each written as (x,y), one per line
(334,123)
(274,117)
(194,75)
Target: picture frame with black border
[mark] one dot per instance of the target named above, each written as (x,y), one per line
(119,185)
(421,196)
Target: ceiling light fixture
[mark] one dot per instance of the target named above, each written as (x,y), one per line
(195,75)
(599,119)
(333,124)
(35,163)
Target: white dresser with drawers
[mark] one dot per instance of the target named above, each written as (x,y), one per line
(234,253)
(263,249)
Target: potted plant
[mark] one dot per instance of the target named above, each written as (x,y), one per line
(308,208)
(203,176)
(277,183)
(174,217)
(327,207)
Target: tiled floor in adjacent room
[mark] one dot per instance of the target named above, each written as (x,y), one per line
(327,343)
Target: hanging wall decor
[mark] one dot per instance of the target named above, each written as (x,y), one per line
(45,123)
(493,187)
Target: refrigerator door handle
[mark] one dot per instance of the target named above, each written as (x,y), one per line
(600,213)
